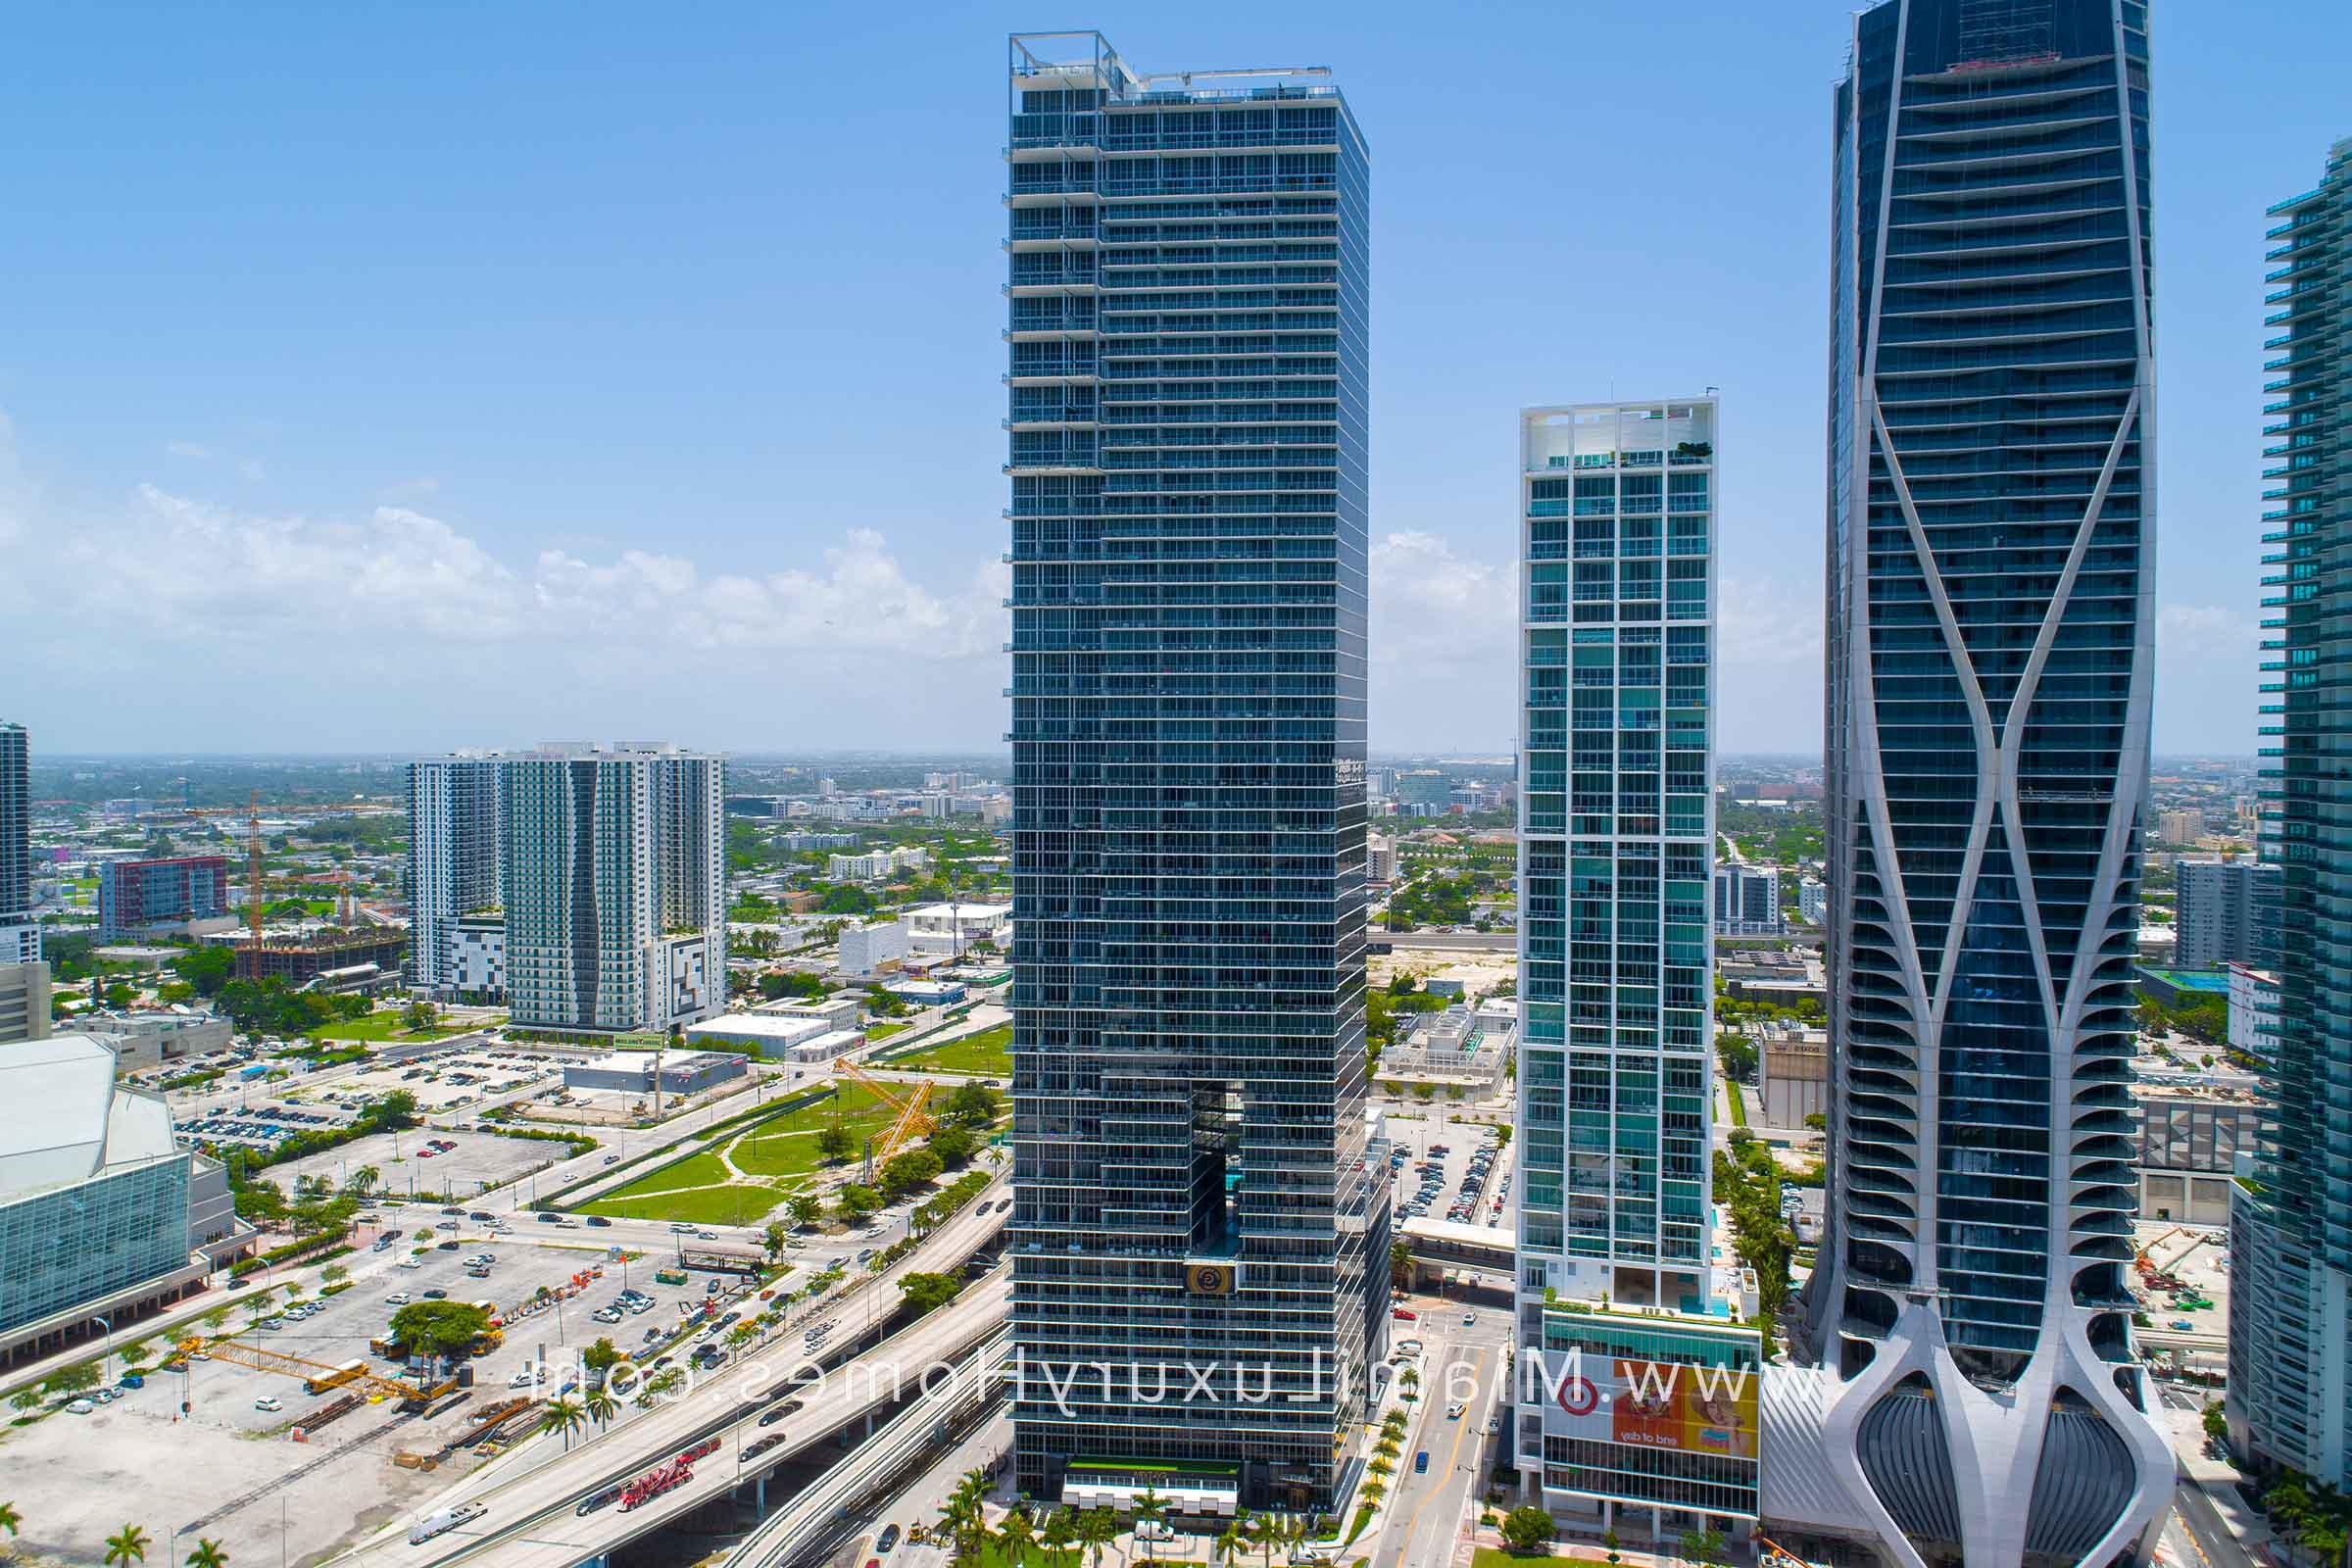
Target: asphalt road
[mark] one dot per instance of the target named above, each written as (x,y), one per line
(2193,1511)
(528,1496)
(1425,1512)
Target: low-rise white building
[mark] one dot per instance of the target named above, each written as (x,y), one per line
(837,1011)
(1813,901)
(866,948)
(776,1037)
(2254,1012)
(949,930)
(874,867)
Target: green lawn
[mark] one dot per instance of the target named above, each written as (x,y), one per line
(380,1026)
(875,1032)
(711,1205)
(1738,1103)
(987,1053)
(781,1151)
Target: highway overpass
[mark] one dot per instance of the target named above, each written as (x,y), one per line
(531,1496)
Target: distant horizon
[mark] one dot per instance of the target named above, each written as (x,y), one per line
(41,755)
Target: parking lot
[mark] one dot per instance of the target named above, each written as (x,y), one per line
(407,1164)
(458,1079)
(1420,1138)
(263,1124)
(225,1465)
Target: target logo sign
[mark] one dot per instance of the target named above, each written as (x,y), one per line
(1577,1397)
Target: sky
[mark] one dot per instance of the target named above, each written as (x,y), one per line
(410,378)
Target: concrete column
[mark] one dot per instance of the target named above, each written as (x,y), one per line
(760,1494)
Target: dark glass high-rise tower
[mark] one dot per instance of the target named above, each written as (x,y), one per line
(2291,1304)
(16,821)
(1990,555)
(1187,271)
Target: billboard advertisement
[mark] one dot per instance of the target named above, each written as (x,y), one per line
(1652,1405)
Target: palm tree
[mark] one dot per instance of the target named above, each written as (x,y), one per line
(1233,1545)
(1097,1529)
(121,1550)
(1149,1508)
(215,1317)
(365,1179)
(207,1554)
(565,1416)
(600,1407)
(10,1519)
(961,1518)
(1017,1534)
(1061,1530)
(1294,1531)
(1265,1533)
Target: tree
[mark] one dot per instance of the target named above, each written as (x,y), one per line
(834,1142)
(438,1328)
(417,1016)
(971,1105)
(1061,1530)
(565,1416)
(1097,1530)
(2217,1421)
(1702,1546)
(602,1356)
(904,1172)
(24,1399)
(207,1554)
(1608,1539)
(804,1210)
(1149,1508)
(1401,1262)
(858,1201)
(1018,1534)
(10,1519)
(1526,1529)
(206,968)
(774,1237)
(127,1547)
(72,1379)
(333,1274)
(1233,1545)
(1737,1054)
(928,1293)
(367,1179)
(954,1146)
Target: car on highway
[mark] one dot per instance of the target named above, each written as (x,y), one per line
(2181,1324)
(769,1418)
(1421,1462)
(890,1539)
(600,1222)
(1454,1411)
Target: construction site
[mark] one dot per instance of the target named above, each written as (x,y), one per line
(308,1420)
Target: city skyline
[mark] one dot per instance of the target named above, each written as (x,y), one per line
(513,555)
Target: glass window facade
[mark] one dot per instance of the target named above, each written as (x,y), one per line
(1988,551)
(1186,416)
(2288,1339)
(1616,847)
(78,1243)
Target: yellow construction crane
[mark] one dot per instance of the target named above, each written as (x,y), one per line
(913,1119)
(317,1376)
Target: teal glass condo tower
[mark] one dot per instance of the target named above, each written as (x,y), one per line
(2290,1310)
(1199,1226)
(1989,641)
(1616,965)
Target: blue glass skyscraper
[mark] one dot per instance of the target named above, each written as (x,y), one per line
(1991,550)
(1187,270)
(2290,1306)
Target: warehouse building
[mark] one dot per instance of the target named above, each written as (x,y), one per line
(631,1072)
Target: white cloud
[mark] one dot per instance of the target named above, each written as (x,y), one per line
(189,449)
(1432,604)
(1763,621)
(2205,631)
